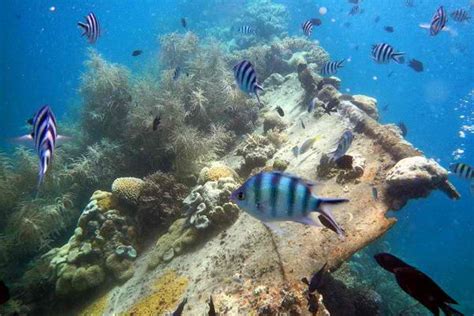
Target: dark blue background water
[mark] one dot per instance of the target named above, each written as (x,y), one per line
(42,55)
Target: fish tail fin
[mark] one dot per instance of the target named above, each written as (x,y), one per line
(340,64)
(449,311)
(327,218)
(399,57)
(83,26)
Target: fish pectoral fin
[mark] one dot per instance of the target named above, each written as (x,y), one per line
(274,228)
(62,139)
(24,140)
(307,220)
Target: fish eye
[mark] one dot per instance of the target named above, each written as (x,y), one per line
(241,196)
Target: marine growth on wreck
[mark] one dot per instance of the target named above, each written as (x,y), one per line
(236,158)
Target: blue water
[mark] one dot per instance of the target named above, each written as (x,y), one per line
(42,55)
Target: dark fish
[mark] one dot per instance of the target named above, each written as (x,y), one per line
(377,19)
(438,22)
(296,151)
(375,193)
(45,137)
(355,10)
(389,29)
(390,74)
(385,108)
(347,24)
(302,124)
(460,15)
(418,285)
(276,196)
(156,122)
(179,310)
(316,22)
(307,27)
(246,77)
(316,280)
(330,107)
(343,146)
(4,293)
(330,68)
(280,111)
(137,52)
(212,309)
(403,128)
(245,29)
(416,65)
(90,27)
(184,23)
(383,53)
(176,73)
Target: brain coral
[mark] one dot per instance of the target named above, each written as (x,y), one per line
(216,172)
(128,189)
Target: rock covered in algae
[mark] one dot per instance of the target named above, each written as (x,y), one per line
(256,150)
(128,189)
(414,177)
(366,104)
(273,121)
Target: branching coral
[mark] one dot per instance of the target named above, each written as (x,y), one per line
(106,92)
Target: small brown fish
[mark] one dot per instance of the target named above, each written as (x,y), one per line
(156,122)
(280,111)
(184,23)
(137,52)
(416,65)
(302,124)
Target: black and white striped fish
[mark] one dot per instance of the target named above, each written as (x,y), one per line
(246,77)
(460,15)
(438,22)
(330,68)
(245,29)
(343,146)
(276,196)
(382,53)
(462,170)
(90,27)
(44,136)
(308,27)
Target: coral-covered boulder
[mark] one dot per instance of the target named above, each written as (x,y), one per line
(215,172)
(366,104)
(273,121)
(328,94)
(127,189)
(414,177)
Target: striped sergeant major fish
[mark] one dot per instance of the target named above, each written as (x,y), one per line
(460,15)
(382,53)
(44,137)
(90,27)
(246,77)
(275,196)
(464,171)
(438,22)
(343,146)
(330,68)
(245,29)
(308,27)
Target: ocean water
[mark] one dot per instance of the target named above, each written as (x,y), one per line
(42,58)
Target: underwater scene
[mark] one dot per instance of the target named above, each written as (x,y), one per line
(237,157)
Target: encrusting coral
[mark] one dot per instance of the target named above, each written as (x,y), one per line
(128,189)
(165,295)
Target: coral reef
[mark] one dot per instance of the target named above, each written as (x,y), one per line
(347,168)
(97,307)
(273,121)
(256,150)
(101,233)
(159,204)
(128,190)
(414,177)
(164,297)
(215,172)
(366,104)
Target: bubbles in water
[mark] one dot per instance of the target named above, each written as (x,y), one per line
(375,78)
(52,8)
(323,10)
